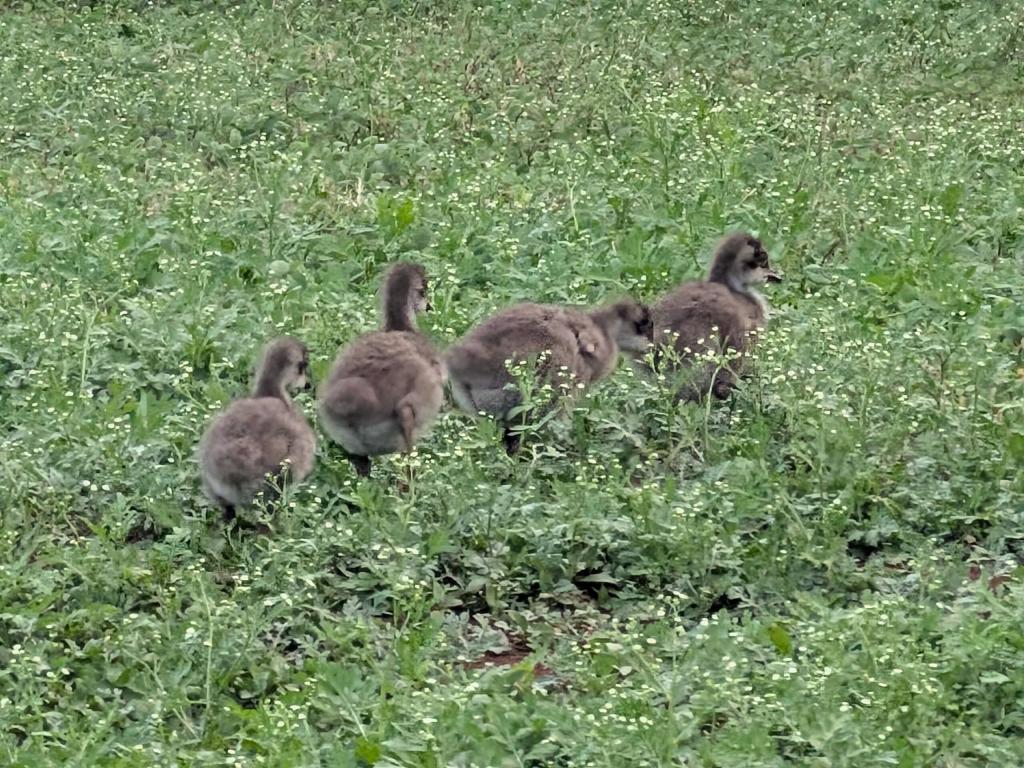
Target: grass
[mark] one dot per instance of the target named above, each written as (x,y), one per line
(825,571)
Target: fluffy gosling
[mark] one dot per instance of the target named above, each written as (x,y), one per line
(720,314)
(386,387)
(571,346)
(262,436)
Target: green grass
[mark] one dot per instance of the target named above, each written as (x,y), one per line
(800,576)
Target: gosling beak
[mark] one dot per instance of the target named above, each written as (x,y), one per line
(430,306)
(773,276)
(308,386)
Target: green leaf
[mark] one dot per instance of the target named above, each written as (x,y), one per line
(993,678)
(405,215)
(367,751)
(1015,445)
(950,198)
(402,744)
(437,542)
(780,639)
(598,578)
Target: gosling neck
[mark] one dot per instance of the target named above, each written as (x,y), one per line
(398,315)
(270,386)
(721,272)
(750,292)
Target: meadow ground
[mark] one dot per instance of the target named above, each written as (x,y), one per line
(824,571)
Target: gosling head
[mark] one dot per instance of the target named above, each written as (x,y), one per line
(741,263)
(403,296)
(628,324)
(283,369)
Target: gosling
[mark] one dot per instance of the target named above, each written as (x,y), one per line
(262,440)
(571,346)
(716,316)
(387,387)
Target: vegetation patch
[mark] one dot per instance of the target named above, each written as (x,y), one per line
(823,570)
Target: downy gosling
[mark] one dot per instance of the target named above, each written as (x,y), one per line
(572,347)
(715,316)
(261,441)
(387,387)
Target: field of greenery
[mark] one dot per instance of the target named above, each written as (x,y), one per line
(823,571)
